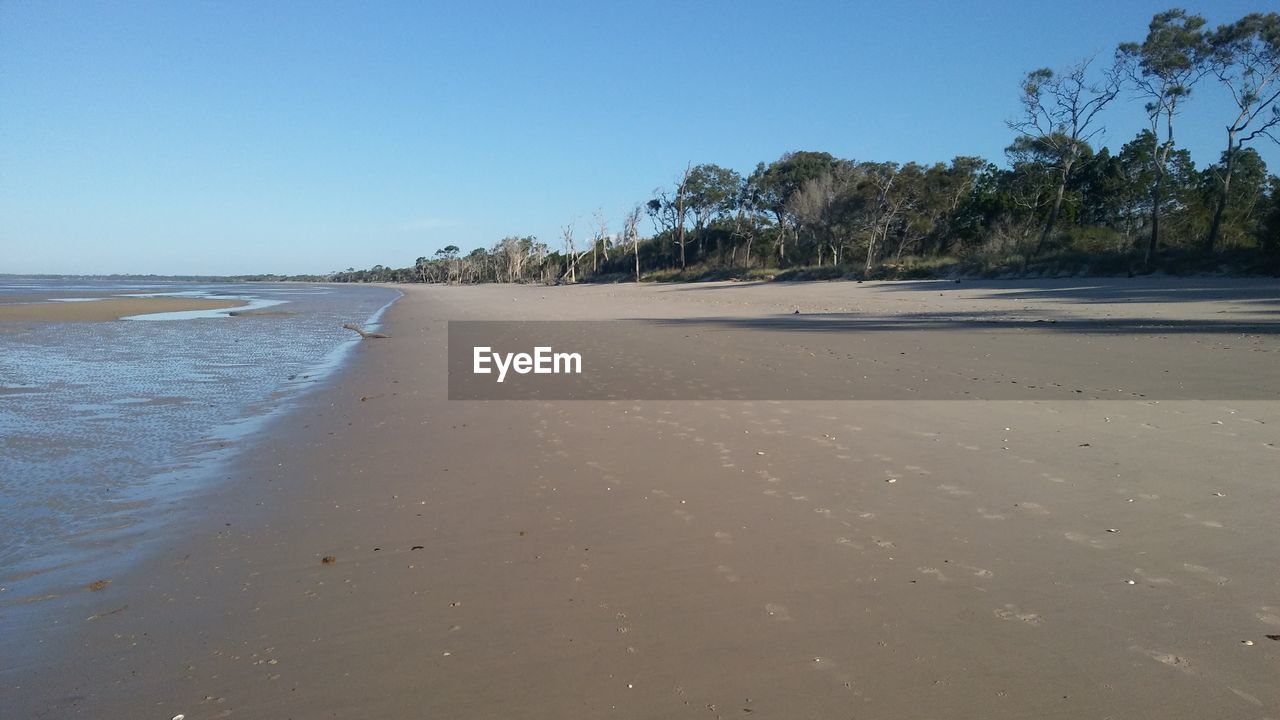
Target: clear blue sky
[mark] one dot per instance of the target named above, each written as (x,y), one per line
(236,137)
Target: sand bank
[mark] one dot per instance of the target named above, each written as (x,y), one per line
(943,558)
(114,308)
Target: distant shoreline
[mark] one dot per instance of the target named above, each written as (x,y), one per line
(106,309)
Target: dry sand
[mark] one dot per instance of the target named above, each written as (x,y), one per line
(927,559)
(106,309)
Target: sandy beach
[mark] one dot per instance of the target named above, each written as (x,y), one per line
(104,309)
(1091,547)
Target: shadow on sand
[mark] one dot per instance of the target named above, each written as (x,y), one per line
(982,321)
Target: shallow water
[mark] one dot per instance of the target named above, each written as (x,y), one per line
(104,425)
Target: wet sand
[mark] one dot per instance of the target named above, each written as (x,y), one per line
(105,309)
(883,559)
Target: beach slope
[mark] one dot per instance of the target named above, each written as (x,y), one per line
(387,552)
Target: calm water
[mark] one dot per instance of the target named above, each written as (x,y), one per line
(105,426)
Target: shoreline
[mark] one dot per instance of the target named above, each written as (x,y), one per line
(173,494)
(652,557)
(107,309)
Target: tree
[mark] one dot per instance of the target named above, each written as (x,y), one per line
(1269,225)
(1239,215)
(712,195)
(631,232)
(448,257)
(571,271)
(670,212)
(746,216)
(815,204)
(879,202)
(1164,67)
(1059,114)
(599,240)
(776,182)
(513,255)
(1245,57)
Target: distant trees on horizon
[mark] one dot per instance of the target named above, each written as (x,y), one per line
(1058,198)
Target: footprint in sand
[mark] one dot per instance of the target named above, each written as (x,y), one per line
(724,537)
(1269,615)
(1152,578)
(1173,661)
(882,542)
(849,543)
(953,490)
(989,516)
(934,572)
(980,572)
(727,573)
(1031,507)
(1012,612)
(1205,573)
(1083,539)
(778,612)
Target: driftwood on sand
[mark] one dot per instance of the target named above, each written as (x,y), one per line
(363,334)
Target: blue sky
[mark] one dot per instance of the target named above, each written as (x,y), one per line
(237,137)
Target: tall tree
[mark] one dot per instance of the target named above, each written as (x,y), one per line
(1164,67)
(571,272)
(670,212)
(1060,113)
(712,195)
(878,200)
(777,181)
(631,231)
(1245,57)
(815,203)
(599,240)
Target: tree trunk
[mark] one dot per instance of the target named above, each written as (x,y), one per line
(1154,239)
(1161,156)
(1224,188)
(1053,215)
(782,240)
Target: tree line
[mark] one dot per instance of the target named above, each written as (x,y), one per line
(1057,199)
